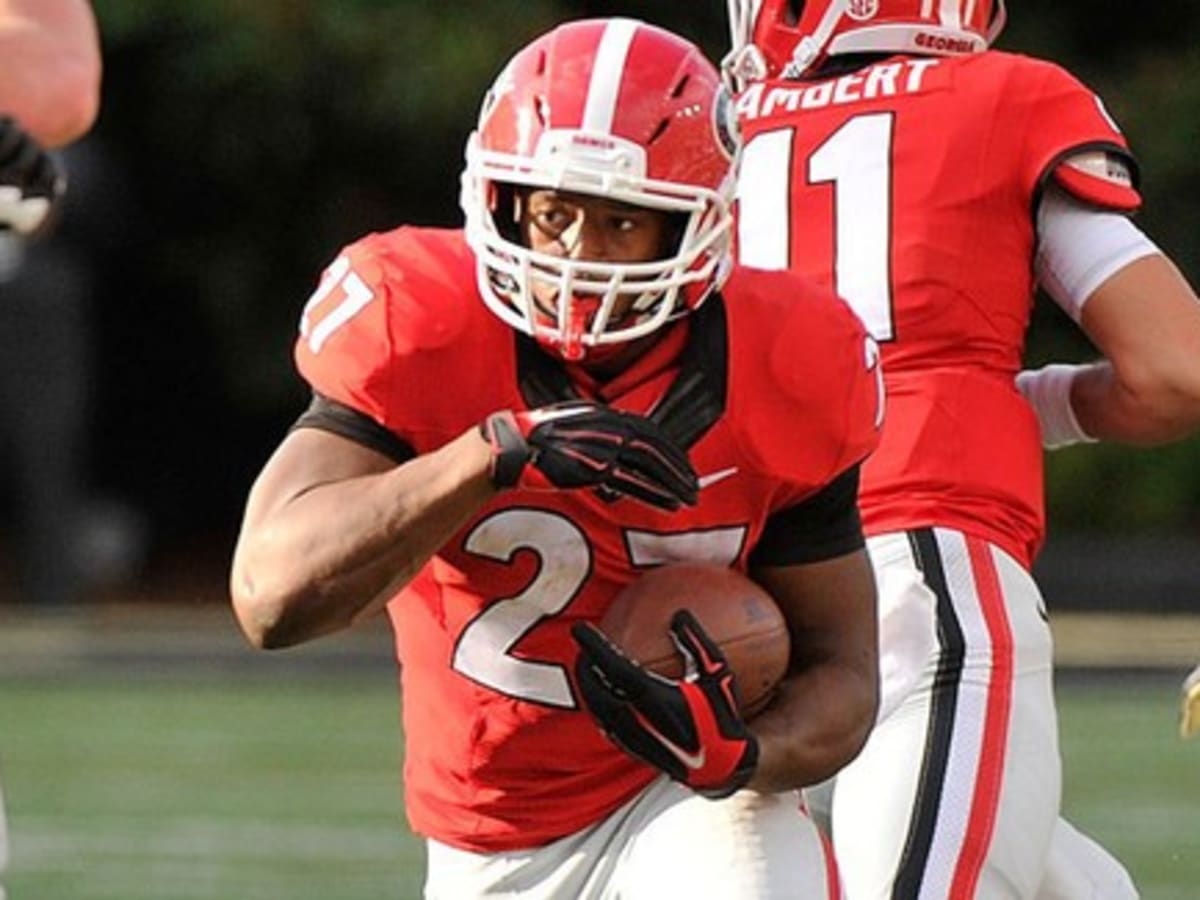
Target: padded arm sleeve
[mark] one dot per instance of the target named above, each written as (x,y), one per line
(1080,247)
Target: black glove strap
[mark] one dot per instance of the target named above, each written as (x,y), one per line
(510,453)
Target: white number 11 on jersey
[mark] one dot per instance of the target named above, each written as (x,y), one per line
(857,160)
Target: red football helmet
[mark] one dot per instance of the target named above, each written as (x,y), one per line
(786,38)
(617,109)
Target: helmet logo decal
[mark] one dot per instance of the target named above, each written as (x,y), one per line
(862,10)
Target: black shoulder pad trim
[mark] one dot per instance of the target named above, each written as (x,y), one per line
(697,398)
(540,377)
(345,421)
(693,403)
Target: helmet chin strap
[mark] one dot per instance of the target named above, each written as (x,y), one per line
(999,17)
(743,67)
(809,47)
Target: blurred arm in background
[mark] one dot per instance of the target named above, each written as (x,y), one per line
(50,79)
(50,84)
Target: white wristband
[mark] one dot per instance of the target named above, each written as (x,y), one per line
(1048,391)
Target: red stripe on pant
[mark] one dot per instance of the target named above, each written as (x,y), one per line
(985,800)
(833,881)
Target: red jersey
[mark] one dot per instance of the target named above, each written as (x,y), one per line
(910,186)
(771,391)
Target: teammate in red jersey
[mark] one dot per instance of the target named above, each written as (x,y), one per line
(933,183)
(507,425)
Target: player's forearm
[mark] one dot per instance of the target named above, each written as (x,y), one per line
(1145,320)
(817,724)
(1143,408)
(340,550)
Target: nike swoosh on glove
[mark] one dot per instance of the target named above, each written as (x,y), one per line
(689,728)
(579,445)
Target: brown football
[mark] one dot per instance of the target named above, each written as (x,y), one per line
(735,612)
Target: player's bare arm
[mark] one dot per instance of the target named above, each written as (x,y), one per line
(50,79)
(1146,320)
(826,705)
(333,529)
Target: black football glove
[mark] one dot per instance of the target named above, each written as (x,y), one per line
(31,182)
(578,445)
(689,728)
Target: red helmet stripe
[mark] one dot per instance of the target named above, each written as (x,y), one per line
(607,74)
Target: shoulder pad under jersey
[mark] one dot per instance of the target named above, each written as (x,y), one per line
(383,299)
(809,406)
(1103,178)
(1057,118)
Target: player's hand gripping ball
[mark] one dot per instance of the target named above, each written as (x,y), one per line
(666,691)
(738,615)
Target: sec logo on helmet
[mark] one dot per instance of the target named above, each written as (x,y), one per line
(862,10)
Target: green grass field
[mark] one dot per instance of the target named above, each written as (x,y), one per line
(263,788)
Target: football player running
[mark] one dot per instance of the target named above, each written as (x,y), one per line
(934,183)
(506,428)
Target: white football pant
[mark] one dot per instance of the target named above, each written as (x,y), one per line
(667,842)
(956,794)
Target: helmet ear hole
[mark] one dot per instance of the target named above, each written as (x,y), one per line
(506,211)
(793,12)
(672,242)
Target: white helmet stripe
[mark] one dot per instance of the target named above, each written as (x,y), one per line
(952,13)
(970,11)
(606,76)
(999,16)
(926,8)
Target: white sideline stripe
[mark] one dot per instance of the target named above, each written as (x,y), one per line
(607,75)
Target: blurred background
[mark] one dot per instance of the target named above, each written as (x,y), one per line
(240,145)
(145,376)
